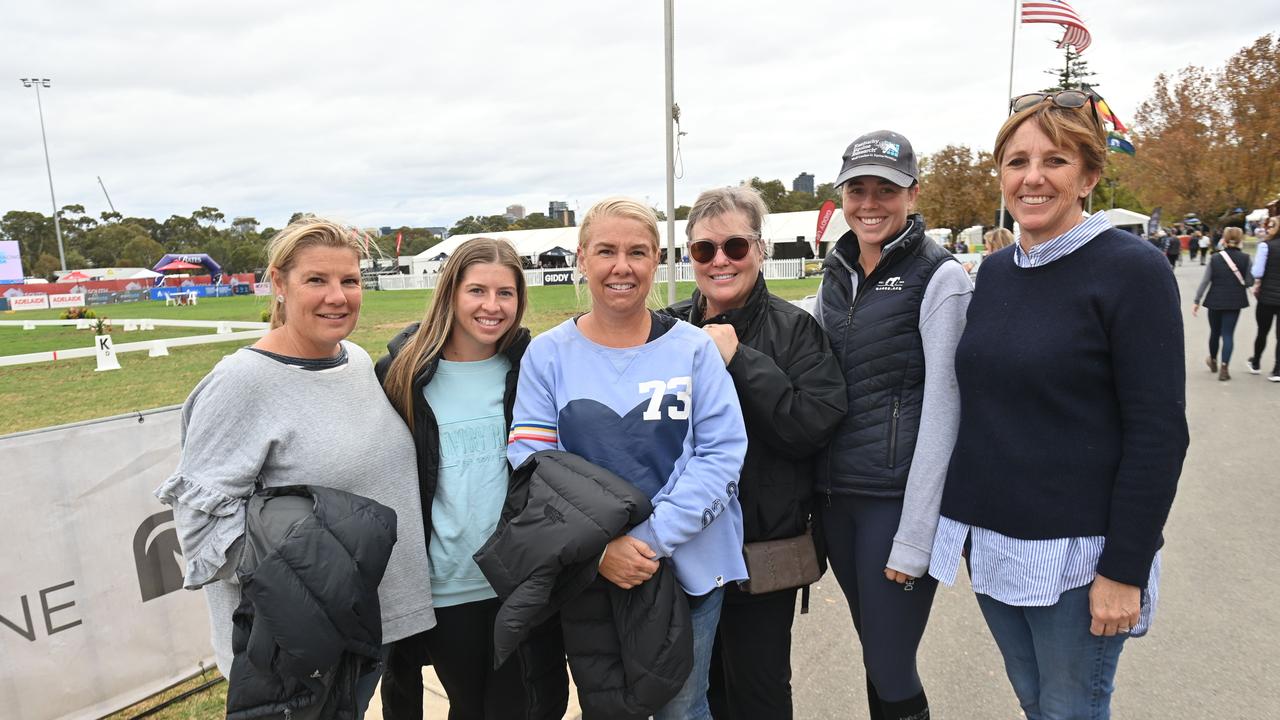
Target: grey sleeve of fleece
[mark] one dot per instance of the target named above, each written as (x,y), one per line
(942,318)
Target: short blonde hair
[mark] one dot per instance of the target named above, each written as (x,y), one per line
(1232,236)
(618,207)
(299,235)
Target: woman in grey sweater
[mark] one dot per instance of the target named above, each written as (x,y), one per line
(301,406)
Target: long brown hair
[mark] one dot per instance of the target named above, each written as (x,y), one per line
(432,334)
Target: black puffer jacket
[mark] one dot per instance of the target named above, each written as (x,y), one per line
(793,397)
(309,622)
(630,650)
(426,432)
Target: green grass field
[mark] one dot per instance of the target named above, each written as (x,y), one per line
(44,394)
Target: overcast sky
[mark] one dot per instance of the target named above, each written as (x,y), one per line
(421,112)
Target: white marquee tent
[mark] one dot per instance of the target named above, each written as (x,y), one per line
(778,228)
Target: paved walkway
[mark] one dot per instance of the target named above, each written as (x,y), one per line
(1212,651)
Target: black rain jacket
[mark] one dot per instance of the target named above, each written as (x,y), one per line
(630,650)
(309,623)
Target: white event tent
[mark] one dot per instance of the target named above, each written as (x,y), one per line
(533,244)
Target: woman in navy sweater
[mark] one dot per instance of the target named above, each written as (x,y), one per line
(1062,509)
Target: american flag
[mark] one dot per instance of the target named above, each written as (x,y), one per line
(1059,13)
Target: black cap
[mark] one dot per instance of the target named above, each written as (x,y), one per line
(884,154)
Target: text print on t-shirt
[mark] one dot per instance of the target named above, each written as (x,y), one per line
(678,385)
(468,442)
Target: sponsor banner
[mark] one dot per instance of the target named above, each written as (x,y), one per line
(10,262)
(557,277)
(66,300)
(262,288)
(202,291)
(4,304)
(92,614)
(28,302)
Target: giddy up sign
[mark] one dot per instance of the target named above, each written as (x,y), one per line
(106,354)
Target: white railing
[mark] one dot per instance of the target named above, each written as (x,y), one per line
(773,270)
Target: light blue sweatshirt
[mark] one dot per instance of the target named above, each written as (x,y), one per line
(664,416)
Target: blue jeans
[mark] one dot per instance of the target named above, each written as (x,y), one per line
(691,702)
(1058,669)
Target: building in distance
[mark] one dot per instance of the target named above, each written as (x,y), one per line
(803,183)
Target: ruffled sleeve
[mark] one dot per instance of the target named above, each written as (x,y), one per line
(226,440)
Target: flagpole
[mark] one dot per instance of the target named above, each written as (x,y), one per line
(1013,40)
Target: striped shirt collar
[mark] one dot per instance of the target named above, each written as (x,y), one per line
(1063,245)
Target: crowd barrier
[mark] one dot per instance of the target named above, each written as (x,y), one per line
(773,270)
(92,614)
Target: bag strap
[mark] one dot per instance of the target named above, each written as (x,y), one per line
(1226,256)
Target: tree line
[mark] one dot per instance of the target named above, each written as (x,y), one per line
(1206,143)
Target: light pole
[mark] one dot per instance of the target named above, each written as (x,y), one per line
(38,83)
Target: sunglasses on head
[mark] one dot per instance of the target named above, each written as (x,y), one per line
(1069,99)
(735,248)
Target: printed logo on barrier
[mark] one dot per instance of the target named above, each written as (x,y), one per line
(158,556)
(557,277)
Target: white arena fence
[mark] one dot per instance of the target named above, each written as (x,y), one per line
(225,330)
(773,270)
(92,614)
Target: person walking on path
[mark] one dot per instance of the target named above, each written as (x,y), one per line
(1266,288)
(1202,245)
(1224,290)
(892,302)
(1062,545)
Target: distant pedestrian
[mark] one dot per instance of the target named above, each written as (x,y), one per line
(995,240)
(1266,287)
(1172,246)
(1226,280)
(1202,245)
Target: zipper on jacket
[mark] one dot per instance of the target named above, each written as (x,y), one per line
(893,431)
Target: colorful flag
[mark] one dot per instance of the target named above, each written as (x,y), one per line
(824,217)
(1116,142)
(1059,12)
(1104,110)
(399,237)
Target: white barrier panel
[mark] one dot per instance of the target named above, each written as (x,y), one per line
(29,302)
(92,615)
(66,300)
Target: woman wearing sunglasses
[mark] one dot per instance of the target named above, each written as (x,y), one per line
(792,394)
(893,303)
(1062,510)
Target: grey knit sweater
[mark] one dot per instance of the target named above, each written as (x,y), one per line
(256,419)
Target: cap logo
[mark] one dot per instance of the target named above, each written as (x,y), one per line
(874,149)
(890,148)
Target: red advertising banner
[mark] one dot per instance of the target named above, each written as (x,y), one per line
(824,217)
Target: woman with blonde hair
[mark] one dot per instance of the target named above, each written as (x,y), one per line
(647,397)
(1224,288)
(301,407)
(996,240)
(452,378)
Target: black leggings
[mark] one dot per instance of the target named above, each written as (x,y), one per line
(533,683)
(890,618)
(1222,324)
(751,661)
(1265,315)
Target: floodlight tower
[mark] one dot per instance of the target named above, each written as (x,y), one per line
(38,83)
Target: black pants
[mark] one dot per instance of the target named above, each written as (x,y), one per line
(751,660)
(890,618)
(1265,314)
(532,684)
(1222,325)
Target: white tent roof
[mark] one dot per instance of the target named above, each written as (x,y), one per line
(1120,217)
(779,227)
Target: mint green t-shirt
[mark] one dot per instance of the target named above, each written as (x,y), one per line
(466,398)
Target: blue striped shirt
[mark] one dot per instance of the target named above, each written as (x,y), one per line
(1033,573)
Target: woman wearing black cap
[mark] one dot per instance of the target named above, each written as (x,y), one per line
(893,305)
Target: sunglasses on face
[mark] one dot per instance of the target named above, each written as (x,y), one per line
(1069,99)
(735,248)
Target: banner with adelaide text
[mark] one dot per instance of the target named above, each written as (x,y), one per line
(92,613)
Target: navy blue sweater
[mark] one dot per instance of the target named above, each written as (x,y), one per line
(1072,401)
